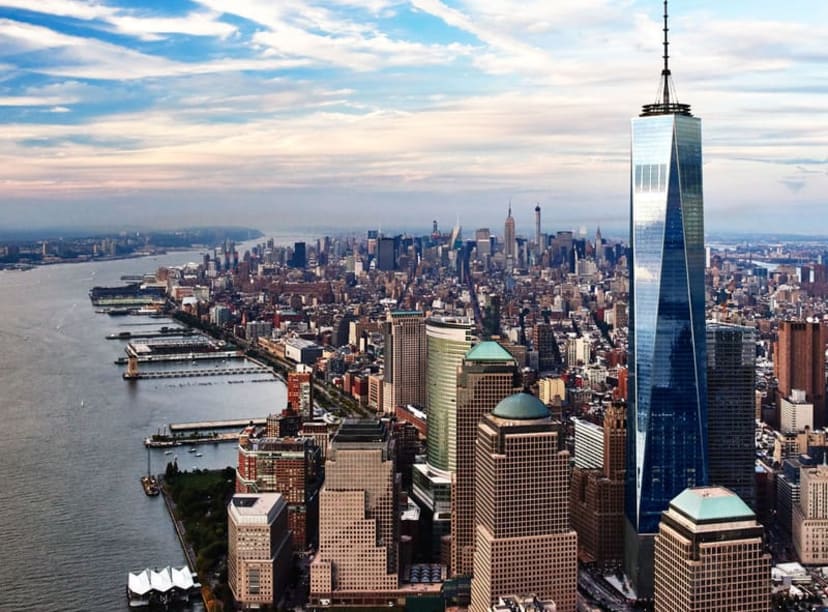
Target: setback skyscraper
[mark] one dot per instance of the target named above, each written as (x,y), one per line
(666,426)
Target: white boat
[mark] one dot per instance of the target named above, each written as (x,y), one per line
(192,450)
(199,455)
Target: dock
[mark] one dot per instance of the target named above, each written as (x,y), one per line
(183,357)
(171,332)
(183,440)
(193,373)
(227,424)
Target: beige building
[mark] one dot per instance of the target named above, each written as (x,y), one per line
(358,517)
(709,555)
(810,516)
(552,391)
(258,548)
(795,413)
(523,541)
(487,375)
(405,350)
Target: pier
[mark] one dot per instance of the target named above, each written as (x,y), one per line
(183,357)
(176,440)
(170,332)
(234,423)
(130,375)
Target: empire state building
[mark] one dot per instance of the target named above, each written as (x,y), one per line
(667,411)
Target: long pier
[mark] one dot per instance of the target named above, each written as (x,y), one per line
(170,333)
(183,357)
(193,373)
(200,425)
(175,441)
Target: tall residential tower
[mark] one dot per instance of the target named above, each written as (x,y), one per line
(667,412)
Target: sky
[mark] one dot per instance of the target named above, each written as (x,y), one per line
(385,113)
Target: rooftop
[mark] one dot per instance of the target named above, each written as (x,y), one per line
(521,407)
(711,504)
(489,351)
(361,431)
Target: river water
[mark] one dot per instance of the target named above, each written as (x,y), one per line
(73,517)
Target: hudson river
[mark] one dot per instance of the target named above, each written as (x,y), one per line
(73,517)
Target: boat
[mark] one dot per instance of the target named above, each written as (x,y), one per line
(168,452)
(192,450)
(148,481)
(150,485)
(199,454)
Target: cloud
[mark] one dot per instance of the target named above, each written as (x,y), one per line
(128,22)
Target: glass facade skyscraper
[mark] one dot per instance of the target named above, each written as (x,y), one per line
(667,412)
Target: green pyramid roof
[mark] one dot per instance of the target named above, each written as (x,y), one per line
(521,407)
(488,351)
(711,504)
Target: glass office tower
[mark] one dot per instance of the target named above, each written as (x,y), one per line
(666,426)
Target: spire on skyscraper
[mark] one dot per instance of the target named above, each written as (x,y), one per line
(666,101)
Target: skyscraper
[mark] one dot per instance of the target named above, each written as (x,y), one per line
(731,358)
(258,549)
(539,247)
(449,339)
(487,375)
(405,360)
(666,426)
(358,516)
(509,243)
(523,541)
(596,500)
(799,363)
(710,555)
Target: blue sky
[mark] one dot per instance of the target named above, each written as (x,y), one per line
(287,113)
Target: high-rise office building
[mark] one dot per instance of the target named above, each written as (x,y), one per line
(258,549)
(487,375)
(386,254)
(709,555)
(449,339)
(509,243)
(666,415)
(358,517)
(523,540)
(731,359)
(799,363)
(300,258)
(544,342)
(405,360)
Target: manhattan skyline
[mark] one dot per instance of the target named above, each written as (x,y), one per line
(392,112)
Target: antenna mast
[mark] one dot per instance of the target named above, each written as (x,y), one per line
(665,103)
(665,73)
